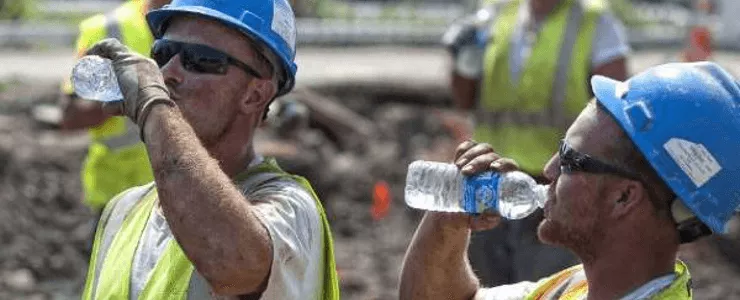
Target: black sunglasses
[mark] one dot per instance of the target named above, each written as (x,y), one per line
(197,58)
(574,161)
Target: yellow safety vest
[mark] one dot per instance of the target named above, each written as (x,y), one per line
(563,286)
(116,159)
(524,119)
(122,225)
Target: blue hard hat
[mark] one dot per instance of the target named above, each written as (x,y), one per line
(270,22)
(685,119)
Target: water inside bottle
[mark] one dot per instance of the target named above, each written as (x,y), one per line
(93,78)
(434,186)
(519,195)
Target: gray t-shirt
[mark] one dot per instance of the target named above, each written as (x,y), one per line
(609,43)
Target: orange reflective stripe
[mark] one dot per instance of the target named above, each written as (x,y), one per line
(553,283)
(576,291)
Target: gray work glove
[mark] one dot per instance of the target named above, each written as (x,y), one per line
(140,81)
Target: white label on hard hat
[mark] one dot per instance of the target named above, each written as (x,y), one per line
(621,89)
(694,159)
(283,23)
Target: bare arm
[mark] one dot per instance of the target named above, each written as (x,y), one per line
(210,218)
(464,91)
(436,264)
(81,114)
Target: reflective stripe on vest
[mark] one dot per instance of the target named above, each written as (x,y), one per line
(525,119)
(571,284)
(122,226)
(129,138)
(108,226)
(112,26)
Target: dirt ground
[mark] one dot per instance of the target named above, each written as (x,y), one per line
(44,229)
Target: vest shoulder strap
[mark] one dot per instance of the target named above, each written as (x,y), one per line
(107,228)
(269,170)
(595,6)
(555,284)
(494,10)
(113,26)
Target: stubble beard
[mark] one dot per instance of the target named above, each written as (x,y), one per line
(578,239)
(214,131)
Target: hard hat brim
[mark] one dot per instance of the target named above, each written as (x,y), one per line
(605,91)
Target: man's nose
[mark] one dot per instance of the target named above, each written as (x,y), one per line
(552,168)
(172,71)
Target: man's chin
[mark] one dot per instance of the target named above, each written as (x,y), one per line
(550,232)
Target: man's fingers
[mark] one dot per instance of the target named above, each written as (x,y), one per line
(473,152)
(107,48)
(504,164)
(479,164)
(463,147)
(114,108)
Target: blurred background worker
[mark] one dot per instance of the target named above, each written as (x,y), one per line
(522,68)
(116,158)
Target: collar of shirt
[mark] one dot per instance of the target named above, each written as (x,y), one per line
(258,159)
(651,288)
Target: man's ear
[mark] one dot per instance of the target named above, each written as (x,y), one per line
(259,93)
(630,197)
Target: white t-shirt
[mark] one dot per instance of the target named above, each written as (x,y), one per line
(291,217)
(609,43)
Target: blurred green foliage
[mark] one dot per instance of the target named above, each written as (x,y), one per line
(17,9)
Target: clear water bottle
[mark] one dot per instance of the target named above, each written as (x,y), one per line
(93,78)
(441,187)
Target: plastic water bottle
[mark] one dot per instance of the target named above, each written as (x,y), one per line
(441,187)
(93,78)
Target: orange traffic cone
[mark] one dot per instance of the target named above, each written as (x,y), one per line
(700,38)
(381,200)
(700,45)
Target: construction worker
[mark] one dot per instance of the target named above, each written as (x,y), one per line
(116,158)
(522,67)
(643,169)
(218,220)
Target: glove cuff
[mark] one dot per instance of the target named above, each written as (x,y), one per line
(146,109)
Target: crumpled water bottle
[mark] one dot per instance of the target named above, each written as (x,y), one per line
(441,187)
(93,78)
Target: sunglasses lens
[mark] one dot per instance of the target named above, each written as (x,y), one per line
(194,57)
(204,60)
(163,51)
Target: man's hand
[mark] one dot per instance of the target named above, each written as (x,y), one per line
(472,158)
(140,80)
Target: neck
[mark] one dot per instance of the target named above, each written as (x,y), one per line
(233,159)
(622,267)
(540,9)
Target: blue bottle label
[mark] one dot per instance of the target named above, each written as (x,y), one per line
(480,192)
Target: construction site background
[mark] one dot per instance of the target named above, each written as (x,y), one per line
(371,97)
